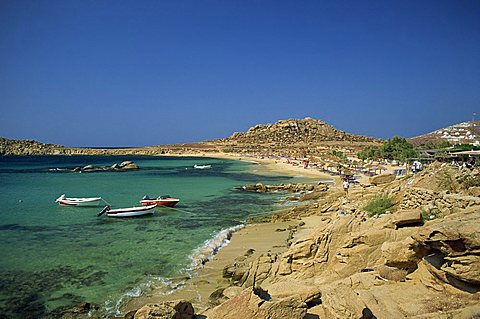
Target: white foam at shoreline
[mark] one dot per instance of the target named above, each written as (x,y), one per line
(113,308)
(199,257)
(205,252)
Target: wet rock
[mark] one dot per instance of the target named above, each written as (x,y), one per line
(128,165)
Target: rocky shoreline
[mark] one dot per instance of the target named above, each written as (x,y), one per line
(330,256)
(333,259)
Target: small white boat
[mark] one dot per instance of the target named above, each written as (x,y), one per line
(202,166)
(74,201)
(128,212)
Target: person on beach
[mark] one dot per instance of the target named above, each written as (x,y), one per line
(346,184)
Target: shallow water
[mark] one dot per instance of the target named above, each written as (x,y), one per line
(55,257)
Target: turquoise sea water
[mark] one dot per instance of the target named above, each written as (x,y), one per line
(54,257)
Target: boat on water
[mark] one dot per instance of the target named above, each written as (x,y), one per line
(202,166)
(164,200)
(128,212)
(78,201)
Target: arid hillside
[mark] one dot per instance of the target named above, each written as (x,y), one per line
(294,137)
(462,133)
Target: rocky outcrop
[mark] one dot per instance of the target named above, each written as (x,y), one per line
(124,166)
(311,138)
(352,267)
(382,179)
(26,147)
(179,309)
(255,303)
(128,165)
(454,243)
(422,198)
(294,131)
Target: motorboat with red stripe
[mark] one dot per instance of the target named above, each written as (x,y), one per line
(164,200)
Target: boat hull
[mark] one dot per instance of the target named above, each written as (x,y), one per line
(88,202)
(131,212)
(169,202)
(202,166)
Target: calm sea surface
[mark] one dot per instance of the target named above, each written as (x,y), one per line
(54,257)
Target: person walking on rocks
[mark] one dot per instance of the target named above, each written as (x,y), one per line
(346,184)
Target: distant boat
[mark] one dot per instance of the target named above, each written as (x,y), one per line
(74,201)
(128,212)
(165,200)
(202,166)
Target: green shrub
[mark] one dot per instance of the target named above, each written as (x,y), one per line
(396,148)
(339,154)
(378,205)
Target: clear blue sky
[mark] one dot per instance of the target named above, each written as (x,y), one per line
(133,73)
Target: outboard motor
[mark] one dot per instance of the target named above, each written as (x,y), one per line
(104,210)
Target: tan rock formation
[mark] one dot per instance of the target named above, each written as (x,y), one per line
(382,179)
(396,265)
(256,303)
(167,310)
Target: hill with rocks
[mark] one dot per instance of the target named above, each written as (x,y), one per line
(461,133)
(26,147)
(304,135)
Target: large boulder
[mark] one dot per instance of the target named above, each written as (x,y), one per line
(382,179)
(179,309)
(128,165)
(290,287)
(403,254)
(406,218)
(255,303)
(456,242)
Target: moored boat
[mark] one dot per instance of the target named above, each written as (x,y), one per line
(78,201)
(165,200)
(128,212)
(202,166)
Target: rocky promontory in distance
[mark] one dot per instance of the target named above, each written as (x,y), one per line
(293,137)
